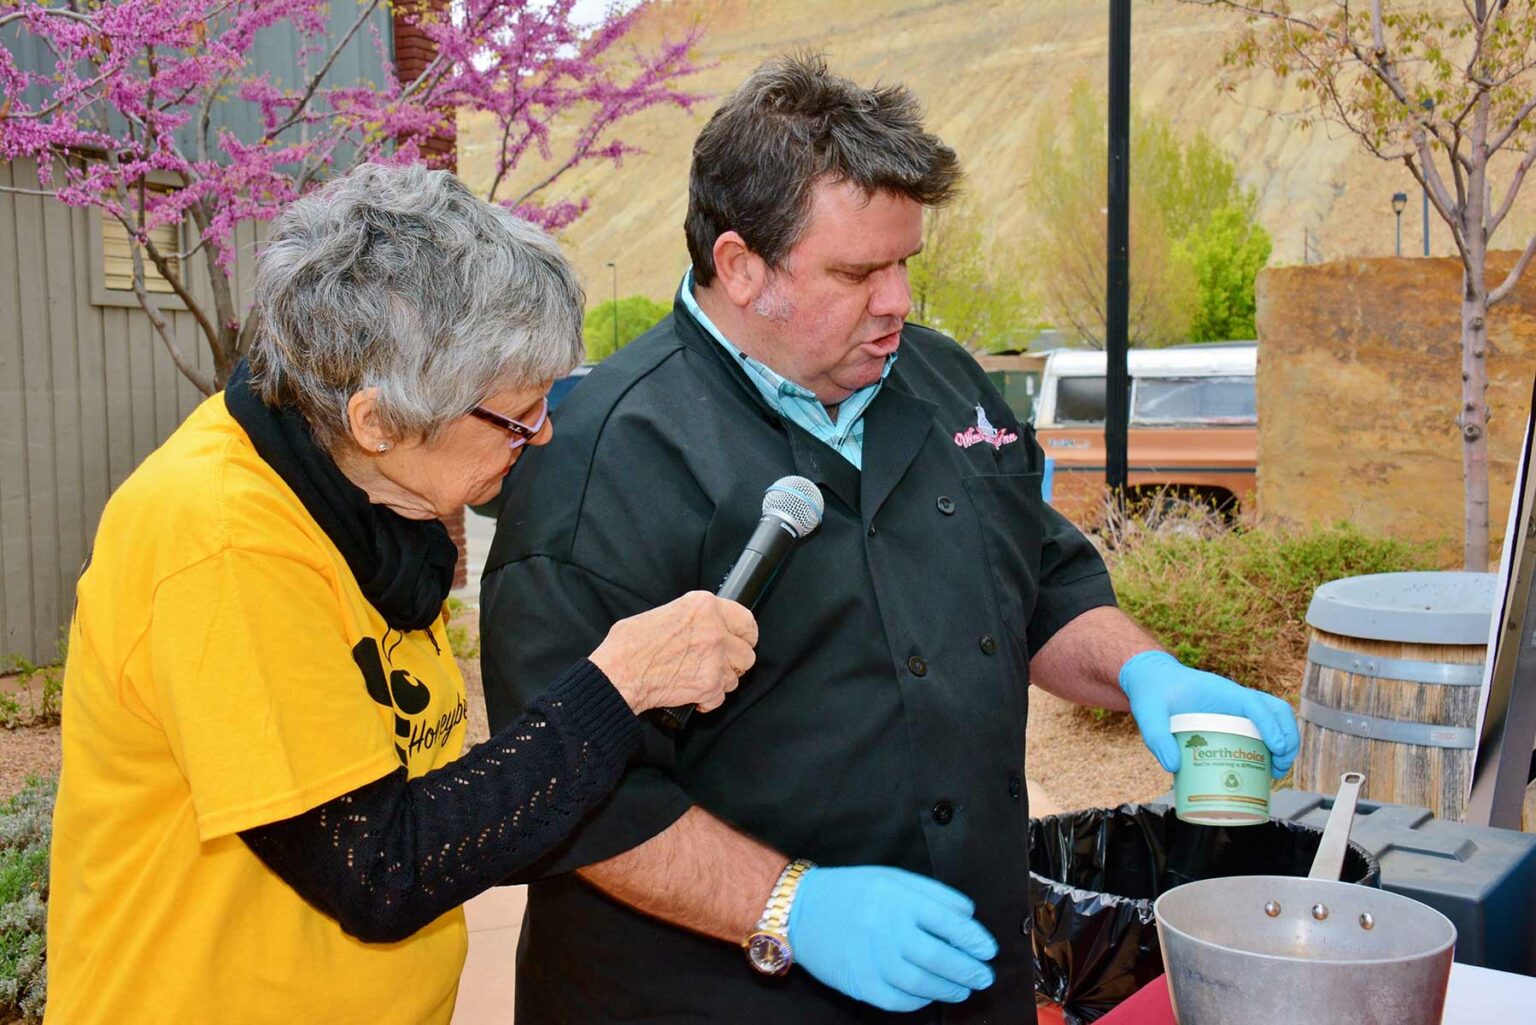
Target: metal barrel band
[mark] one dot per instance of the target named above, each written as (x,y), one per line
(1397,731)
(1446,674)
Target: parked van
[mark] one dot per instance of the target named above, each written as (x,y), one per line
(1193,427)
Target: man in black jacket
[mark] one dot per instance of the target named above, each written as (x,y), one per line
(882,729)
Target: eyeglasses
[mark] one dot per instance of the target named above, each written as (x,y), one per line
(518,432)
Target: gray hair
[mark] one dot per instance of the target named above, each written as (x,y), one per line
(400,279)
(790,127)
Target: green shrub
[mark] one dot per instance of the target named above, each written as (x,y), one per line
(1234,602)
(461,640)
(635,315)
(26,825)
(41,695)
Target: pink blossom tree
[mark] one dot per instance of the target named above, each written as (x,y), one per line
(142,90)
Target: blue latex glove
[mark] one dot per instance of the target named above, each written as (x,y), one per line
(888,937)
(1160,686)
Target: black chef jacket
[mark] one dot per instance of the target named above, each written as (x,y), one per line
(884,720)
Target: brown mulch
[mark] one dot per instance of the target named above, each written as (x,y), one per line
(1083,762)
(27,751)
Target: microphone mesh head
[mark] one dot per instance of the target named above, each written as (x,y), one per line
(795,500)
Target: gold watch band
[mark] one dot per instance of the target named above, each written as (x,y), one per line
(776,911)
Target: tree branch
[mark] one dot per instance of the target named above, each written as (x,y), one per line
(47,193)
(1501,293)
(147,303)
(1438,199)
(1514,126)
(314,81)
(52,12)
(178,286)
(218,279)
(199,379)
(1514,188)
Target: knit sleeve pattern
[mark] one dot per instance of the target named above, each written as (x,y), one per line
(390,857)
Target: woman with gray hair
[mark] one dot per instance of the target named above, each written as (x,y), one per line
(263,815)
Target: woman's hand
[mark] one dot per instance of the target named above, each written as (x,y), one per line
(691,651)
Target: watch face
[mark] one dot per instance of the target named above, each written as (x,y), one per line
(768,953)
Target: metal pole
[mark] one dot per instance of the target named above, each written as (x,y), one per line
(1117,397)
(615,268)
(1399,214)
(1426,222)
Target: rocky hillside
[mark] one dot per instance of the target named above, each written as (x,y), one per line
(987,70)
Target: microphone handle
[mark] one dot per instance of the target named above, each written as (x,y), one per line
(749,577)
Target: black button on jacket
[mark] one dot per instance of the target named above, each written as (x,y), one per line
(833,748)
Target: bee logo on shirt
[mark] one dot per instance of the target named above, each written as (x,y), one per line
(408,697)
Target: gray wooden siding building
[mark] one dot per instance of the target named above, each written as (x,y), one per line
(86,388)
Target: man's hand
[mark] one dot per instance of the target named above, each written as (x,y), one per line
(889,937)
(1159,686)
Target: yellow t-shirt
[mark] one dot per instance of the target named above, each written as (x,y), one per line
(225,672)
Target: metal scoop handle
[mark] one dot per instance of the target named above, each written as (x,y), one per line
(1329,862)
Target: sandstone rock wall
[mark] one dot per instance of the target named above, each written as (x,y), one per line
(1359,383)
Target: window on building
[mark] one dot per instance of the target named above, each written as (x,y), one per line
(117,256)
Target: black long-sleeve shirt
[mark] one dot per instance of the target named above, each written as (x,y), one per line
(387,858)
(884,720)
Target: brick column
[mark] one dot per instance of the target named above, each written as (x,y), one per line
(414,50)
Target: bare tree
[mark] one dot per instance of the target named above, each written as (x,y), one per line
(1444,90)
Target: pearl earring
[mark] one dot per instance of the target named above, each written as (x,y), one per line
(383,446)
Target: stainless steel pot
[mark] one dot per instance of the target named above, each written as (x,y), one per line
(1314,951)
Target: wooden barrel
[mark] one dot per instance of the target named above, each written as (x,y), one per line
(1393,686)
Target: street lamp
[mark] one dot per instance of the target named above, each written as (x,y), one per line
(1399,200)
(615,268)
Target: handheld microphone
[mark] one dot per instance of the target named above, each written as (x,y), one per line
(792,508)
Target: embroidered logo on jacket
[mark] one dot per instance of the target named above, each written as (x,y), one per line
(985,432)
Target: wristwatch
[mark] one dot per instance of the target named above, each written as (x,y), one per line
(768,948)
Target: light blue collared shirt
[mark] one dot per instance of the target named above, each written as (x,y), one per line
(845,435)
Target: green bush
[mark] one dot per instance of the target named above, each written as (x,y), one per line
(461,641)
(1234,602)
(40,695)
(636,315)
(26,825)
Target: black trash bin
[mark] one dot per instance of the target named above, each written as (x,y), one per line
(1094,875)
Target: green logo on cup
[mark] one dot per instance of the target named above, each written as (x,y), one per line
(1195,741)
(1231,782)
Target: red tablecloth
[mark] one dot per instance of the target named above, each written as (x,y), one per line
(1149,1005)
(1476,996)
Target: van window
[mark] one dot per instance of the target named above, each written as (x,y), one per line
(1080,400)
(1229,400)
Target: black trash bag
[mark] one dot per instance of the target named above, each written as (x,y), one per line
(1094,875)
